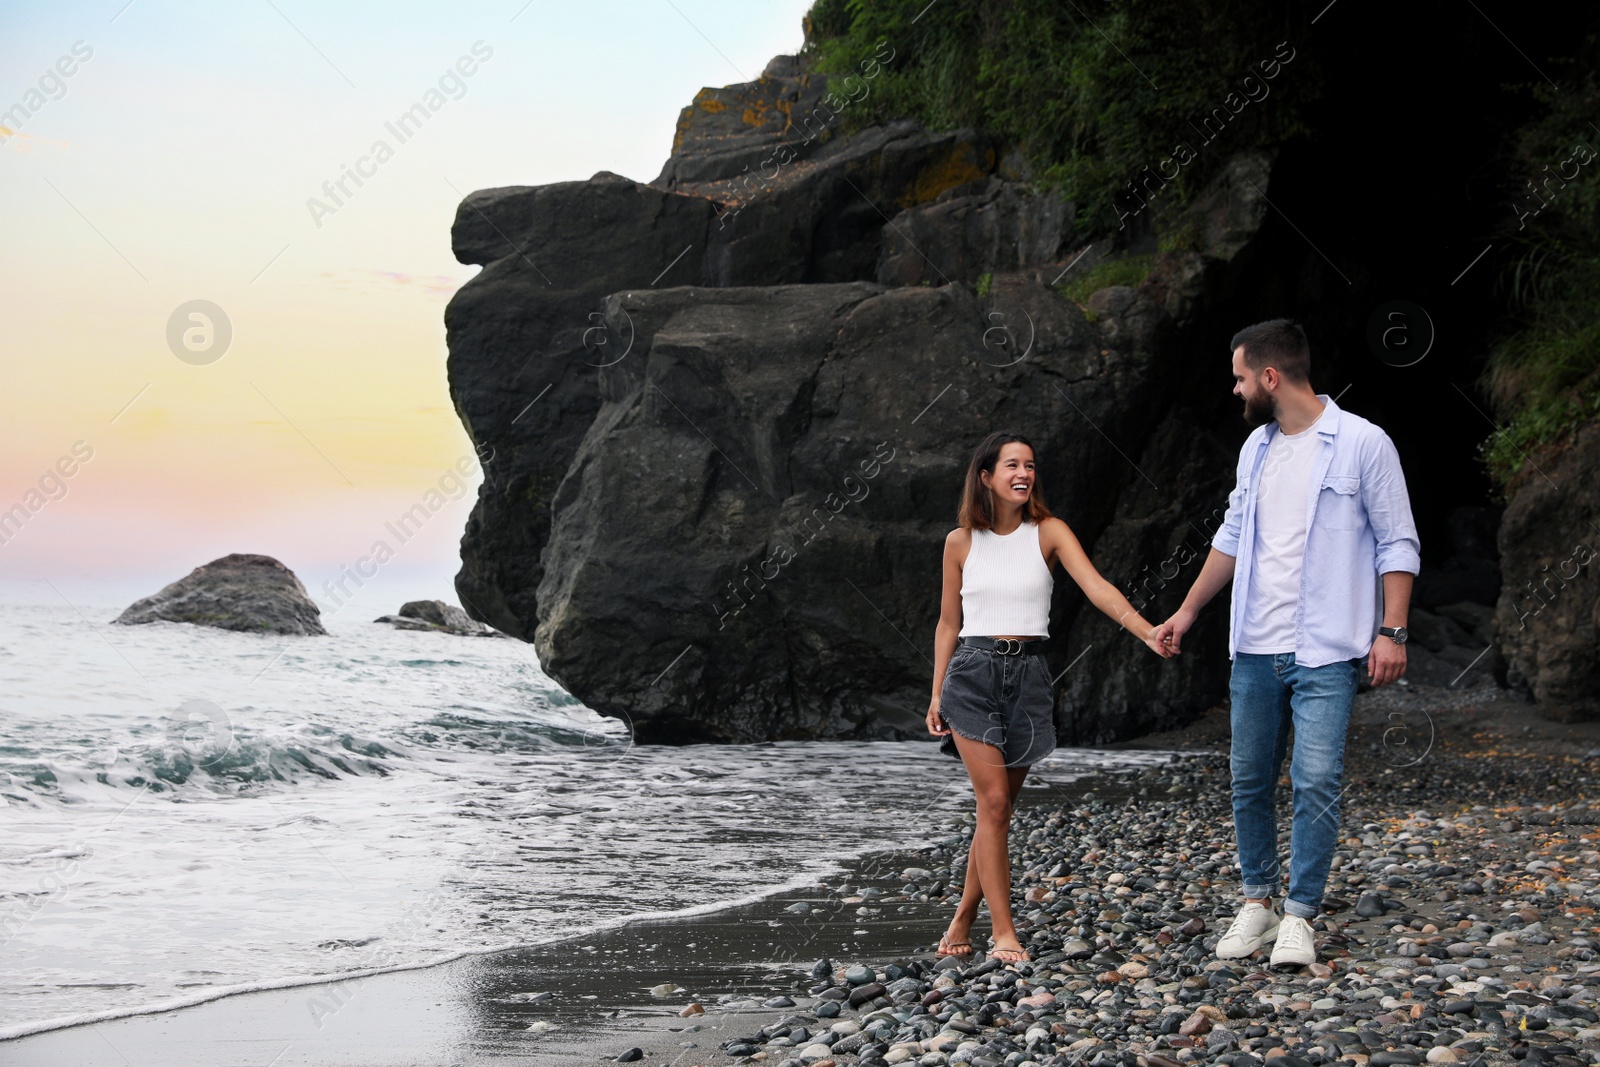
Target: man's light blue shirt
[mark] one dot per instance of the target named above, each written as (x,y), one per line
(1358,528)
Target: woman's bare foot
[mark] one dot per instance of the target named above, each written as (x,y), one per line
(954,941)
(1009,949)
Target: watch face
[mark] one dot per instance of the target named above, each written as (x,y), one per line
(1400,634)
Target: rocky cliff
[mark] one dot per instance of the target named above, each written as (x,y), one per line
(1548,617)
(727,414)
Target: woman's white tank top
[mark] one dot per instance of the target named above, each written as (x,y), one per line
(1006,585)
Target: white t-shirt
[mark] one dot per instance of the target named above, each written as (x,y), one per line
(1282,503)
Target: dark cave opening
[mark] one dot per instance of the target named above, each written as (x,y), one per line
(1402,194)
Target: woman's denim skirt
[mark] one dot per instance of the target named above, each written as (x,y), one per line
(1004,701)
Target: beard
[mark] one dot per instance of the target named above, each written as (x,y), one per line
(1259,409)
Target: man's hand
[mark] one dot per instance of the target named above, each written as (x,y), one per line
(1386,662)
(1170,633)
(1153,641)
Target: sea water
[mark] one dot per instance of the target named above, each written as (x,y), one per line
(188,812)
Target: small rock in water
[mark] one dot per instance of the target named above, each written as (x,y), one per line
(635,1053)
(665,989)
(692,1009)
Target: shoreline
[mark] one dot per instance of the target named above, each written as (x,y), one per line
(709,952)
(1452,795)
(334,980)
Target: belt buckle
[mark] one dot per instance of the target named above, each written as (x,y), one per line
(1007,646)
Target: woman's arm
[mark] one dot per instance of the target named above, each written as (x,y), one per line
(1101,593)
(945,634)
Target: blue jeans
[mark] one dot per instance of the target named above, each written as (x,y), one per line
(1269,693)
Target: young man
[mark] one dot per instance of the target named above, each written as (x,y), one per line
(1321,549)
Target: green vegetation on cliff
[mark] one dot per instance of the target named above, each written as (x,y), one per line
(1543,376)
(1125,107)
(1129,270)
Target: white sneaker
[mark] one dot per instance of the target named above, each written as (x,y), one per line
(1295,946)
(1254,926)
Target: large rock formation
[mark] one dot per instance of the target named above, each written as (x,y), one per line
(728,419)
(1548,618)
(256,594)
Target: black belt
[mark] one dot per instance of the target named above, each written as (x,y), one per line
(1006,646)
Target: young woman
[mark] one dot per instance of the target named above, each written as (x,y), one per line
(993,695)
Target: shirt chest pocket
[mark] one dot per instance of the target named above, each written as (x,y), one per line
(1339,503)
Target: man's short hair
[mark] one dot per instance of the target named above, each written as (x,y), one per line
(1278,343)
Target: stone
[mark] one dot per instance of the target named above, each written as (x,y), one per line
(1394,1058)
(859,974)
(864,994)
(438,616)
(243,592)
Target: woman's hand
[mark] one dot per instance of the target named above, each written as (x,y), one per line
(1155,639)
(936,725)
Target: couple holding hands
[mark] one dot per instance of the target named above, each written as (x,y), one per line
(1321,549)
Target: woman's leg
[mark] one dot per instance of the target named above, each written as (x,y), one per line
(996,787)
(972,891)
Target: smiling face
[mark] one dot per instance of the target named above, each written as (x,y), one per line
(1013,476)
(1260,406)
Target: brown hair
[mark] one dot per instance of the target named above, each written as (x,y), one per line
(977,505)
(1277,343)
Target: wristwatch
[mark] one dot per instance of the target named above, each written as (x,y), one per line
(1397,634)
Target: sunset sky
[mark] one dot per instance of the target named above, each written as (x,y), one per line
(156,153)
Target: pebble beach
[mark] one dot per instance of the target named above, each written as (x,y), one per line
(1459,924)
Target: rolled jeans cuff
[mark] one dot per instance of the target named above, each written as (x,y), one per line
(1255,892)
(1304,911)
